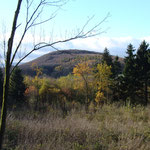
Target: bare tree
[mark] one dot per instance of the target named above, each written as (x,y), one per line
(31,20)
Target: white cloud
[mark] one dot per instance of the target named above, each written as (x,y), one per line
(116,45)
(147,39)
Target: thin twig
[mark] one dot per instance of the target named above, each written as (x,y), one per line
(30,22)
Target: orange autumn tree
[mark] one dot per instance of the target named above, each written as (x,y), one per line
(103,81)
(83,71)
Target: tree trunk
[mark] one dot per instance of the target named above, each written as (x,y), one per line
(4,106)
(7,75)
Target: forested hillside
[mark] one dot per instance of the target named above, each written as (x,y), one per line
(61,63)
(89,77)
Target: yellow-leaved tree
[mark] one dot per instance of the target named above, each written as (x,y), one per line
(83,71)
(36,82)
(103,81)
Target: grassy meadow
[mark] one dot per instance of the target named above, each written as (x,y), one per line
(111,127)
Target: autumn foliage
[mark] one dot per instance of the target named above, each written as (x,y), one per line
(90,85)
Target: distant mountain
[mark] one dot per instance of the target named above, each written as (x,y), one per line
(60,63)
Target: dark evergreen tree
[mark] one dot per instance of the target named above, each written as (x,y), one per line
(1,85)
(106,57)
(129,61)
(143,67)
(117,67)
(17,88)
(119,89)
(130,74)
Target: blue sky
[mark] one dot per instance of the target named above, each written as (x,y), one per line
(128,17)
(128,23)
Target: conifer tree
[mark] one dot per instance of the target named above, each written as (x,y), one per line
(118,81)
(17,88)
(117,67)
(129,61)
(143,67)
(119,89)
(130,74)
(106,57)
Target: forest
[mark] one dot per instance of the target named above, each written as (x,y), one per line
(99,106)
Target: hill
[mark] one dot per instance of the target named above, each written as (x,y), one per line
(60,63)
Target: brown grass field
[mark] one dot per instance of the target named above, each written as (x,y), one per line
(110,128)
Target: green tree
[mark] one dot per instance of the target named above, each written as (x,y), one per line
(118,80)
(119,89)
(129,61)
(117,67)
(143,67)
(130,74)
(106,57)
(17,88)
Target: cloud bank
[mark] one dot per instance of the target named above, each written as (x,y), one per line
(115,45)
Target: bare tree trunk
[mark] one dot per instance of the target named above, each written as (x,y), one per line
(7,76)
(4,105)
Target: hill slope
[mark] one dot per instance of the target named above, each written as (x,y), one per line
(60,63)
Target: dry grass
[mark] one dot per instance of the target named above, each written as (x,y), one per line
(110,128)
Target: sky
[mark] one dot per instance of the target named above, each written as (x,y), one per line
(128,22)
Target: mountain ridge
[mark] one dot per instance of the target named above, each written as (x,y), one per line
(60,63)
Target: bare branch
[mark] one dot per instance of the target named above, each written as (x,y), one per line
(35,24)
(31,22)
(90,33)
(21,60)
(82,33)
(29,4)
(58,3)
(20,42)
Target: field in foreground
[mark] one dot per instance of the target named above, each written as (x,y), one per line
(110,128)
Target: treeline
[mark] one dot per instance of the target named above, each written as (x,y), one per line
(135,80)
(90,85)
